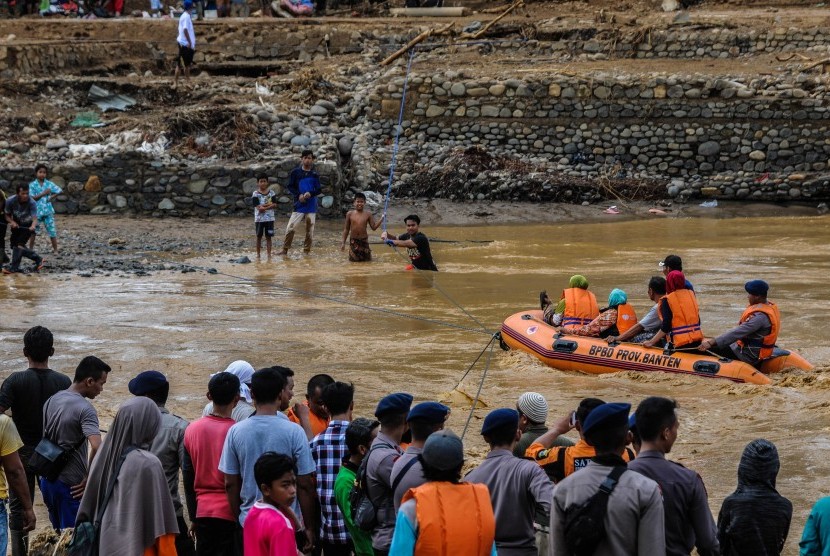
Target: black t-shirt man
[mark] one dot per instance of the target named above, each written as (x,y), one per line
(416,243)
(25,393)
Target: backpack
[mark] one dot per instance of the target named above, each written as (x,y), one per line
(364,514)
(585,523)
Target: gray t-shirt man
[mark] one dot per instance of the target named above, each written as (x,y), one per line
(68,420)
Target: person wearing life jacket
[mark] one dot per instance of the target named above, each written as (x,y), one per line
(649,325)
(560,461)
(444,517)
(577,307)
(679,314)
(613,320)
(753,340)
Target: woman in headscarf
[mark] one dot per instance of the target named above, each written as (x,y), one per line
(755,520)
(244,409)
(577,307)
(679,314)
(138,519)
(619,314)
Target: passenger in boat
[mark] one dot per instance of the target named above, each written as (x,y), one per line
(753,340)
(671,263)
(679,314)
(618,317)
(577,306)
(649,325)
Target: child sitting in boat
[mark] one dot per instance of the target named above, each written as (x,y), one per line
(613,320)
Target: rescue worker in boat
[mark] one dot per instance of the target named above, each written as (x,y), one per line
(753,340)
(617,318)
(577,307)
(649,325)
(679,314)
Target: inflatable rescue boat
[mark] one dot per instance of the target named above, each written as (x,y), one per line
(527,331)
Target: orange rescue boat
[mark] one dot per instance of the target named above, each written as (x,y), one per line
(527,331)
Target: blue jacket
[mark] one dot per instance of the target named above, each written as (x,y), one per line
(815,541)
(299,182)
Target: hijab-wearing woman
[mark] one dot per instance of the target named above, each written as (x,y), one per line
(244,409)
(679,314)
(577,306)
(138,519)
(606,323)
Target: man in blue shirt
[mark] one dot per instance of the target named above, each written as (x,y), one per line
(304,185)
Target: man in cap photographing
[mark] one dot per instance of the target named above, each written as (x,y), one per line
(634,519)
(444,516)
(753,340)
(518,487)
(168,446)
(424,419)
(391,412)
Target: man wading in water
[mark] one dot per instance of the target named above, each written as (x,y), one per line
(416,243)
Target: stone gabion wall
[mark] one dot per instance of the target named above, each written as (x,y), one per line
(138,185)
(714,137)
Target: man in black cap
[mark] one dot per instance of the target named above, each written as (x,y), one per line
(753,340)
(689,522)
(168,446)
(391,412)
(634,519)
(424,419)
(518,487)
(444,516)
(673,262)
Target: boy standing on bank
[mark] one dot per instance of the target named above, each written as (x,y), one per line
(355,230)
(264,215)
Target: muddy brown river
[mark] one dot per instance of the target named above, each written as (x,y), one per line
(191,325)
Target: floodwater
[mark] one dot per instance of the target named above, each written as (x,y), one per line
(191,325)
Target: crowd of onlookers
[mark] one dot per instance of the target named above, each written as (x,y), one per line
(263,477)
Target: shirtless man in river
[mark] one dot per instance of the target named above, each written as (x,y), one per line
(355,230)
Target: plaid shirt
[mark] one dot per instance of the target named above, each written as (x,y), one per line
(328,449)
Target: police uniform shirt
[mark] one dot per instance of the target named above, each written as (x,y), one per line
(379,472)
(517,486)
(688,519)
(168,446)
(634,522)
(414,476)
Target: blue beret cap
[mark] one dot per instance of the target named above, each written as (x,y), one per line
(632,421)
(394,403)
(757,287)
(146,382)
(500,418)
(431,412)
(606,415)
(187,4)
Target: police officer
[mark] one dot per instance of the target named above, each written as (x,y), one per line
(559,462)
(391,412)
(689,522)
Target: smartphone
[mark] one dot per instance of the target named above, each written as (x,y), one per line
(573,419)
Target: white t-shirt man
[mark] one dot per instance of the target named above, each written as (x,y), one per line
(186,24)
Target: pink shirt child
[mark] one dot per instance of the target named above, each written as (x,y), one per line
(268,532)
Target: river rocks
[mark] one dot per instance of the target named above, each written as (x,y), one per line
(709,148)
(56,143)
(218,200)
(327,201)
(458,89)
(197,186)
(345,145)
(166,204)
(757,155)
(300,140)
(434,111)
(318,110)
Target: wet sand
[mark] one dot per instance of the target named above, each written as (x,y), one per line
(189,325)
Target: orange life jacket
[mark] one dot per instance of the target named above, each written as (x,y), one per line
(453,519)
(580,307)
(565,460)
(685,322)
(767,343)
(626,317)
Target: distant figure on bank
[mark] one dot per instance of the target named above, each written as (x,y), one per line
(355,230)
(269,529)
(186,40)
(755,519)
(212,523)
(136,484)
(753,340)
(618,317)
(634,521)
(168,446)
(444,516)
(265,200)
(646,327)
(416,243)
(70,421)
(42,191)
(21,216)
(25,393)
(577,307)
(304,185)
(679,314)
